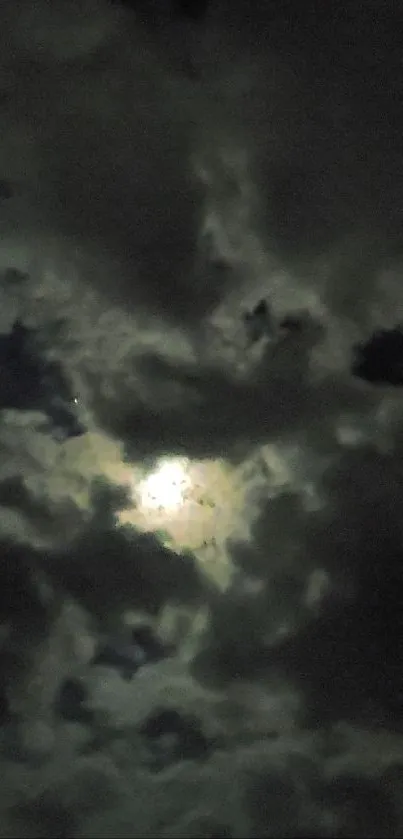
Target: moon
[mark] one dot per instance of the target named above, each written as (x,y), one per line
(165,488)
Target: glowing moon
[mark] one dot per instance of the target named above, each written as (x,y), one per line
(166,487)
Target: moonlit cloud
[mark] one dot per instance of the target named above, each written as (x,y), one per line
(159,178)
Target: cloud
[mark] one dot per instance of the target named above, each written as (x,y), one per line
(217,414)
(149,211)
(109,569)
(119,184)
(341,655)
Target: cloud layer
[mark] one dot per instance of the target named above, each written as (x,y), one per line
(159,178)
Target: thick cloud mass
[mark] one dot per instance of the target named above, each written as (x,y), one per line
(200,214)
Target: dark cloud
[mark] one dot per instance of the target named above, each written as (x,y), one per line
(110,568)
(42,513)
(121,184)
(259,322)
(346,659)
(380,360)
(129,652)
(63,806)
(340,165)
(15,495)
(172,737)
(70,703)
(221,416)
(277,796)
(360,807)
(192,166)
(20,602)
(296,801)
(47,815)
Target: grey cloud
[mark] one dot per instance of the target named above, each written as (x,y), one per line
(276,797)
(220,416)
(104,568)
(15,495)
(342,125)
(120,184)
(348,660)
(344,657)
(109,569)
(266,602)
(357,281)
(100,145)
(380,360)
(26,616)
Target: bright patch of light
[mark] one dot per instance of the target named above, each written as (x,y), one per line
(196,506)
(166,487)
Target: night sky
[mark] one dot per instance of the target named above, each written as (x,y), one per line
(201,419)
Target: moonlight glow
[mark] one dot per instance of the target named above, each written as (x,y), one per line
(166,487)
(190,505)
(197,506)
(193,506)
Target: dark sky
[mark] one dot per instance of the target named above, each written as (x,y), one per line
(200,230)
